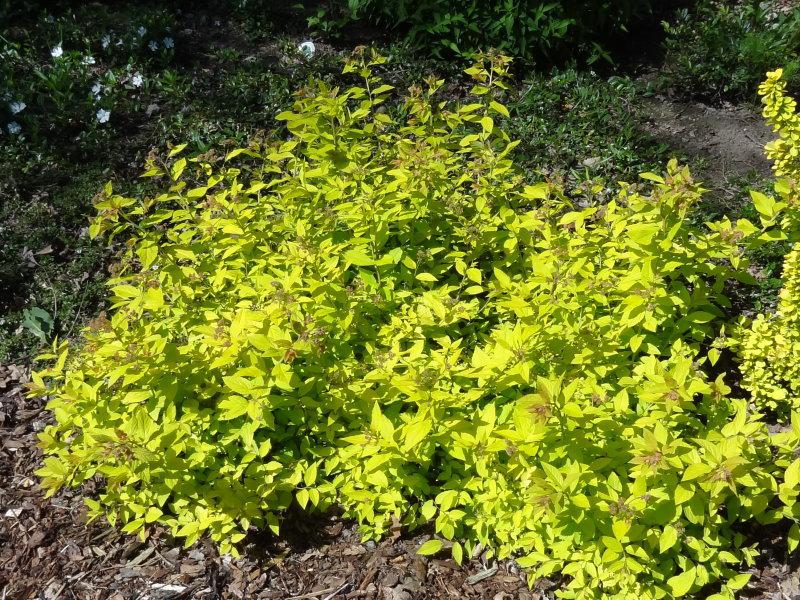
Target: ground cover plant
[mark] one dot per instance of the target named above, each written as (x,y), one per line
(527,29)
(582,129)
(720,50)
(381,313)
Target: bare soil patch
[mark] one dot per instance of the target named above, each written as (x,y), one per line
(728,140)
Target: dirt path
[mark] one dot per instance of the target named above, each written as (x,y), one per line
(725,143)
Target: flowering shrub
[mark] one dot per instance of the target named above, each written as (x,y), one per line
(379,313)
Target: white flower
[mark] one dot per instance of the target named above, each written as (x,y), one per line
(307,49)
(103,115)
(14,128)
(168,42)
(105,41)
(141,31)
(153,46)
(137,79)
(96,89)
(17,107)
(57,51)
(88,60)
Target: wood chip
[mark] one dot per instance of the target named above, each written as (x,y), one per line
(482,575)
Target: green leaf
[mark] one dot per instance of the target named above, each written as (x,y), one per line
(140,426)
(794,537)
(302,498)
(415,432)
(643,233)
(503,280)
(667,539)
(498,108)
(763,204)
(147,253)
(380,424)
(539,191)
(683,493)
(153,514)
(197,192)
(612,544)
(233,407)
(792,474)
(737,582)
(176,150)
(358,257)
(54,470)
(428,510)
(680,585)
(652,177)
(38,321)
(700,317)
(458,552)
(133,526)
(310,476)
(126,291)
(430,547)
(239,384)
(136,396)
(696,471)
(620,527)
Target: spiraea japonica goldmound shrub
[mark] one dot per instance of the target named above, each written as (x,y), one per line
(380,313)
(770,346)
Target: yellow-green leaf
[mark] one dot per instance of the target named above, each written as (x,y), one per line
(430,547)
(680,585)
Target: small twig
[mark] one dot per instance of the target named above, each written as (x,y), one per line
(77,313)
(339,591)
(166,560)
(368,578)
(61,589)
(752,139)
(187,593)
(485,574)
(319,593)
